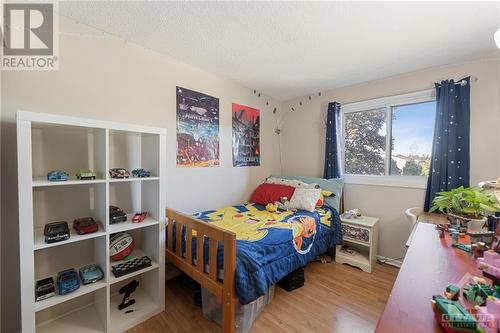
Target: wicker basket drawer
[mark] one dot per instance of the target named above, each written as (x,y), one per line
(356,233)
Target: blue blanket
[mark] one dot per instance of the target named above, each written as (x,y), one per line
(269,246)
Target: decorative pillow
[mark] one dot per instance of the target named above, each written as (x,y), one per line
(305,198)
(334,185)
(290,182)
(322,196)
(270,193)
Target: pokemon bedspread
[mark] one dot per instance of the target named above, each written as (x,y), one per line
(269,246)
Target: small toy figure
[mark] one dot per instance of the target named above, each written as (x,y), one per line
(481,236)
(283,204)
(478,249)
(272,208)
(489,315)
(454,237)
(440,228)
(452,292)
(489,264)
(477,291)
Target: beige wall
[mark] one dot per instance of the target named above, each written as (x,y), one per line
(103,77)
(304,132)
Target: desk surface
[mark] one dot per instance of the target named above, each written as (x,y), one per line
(429,266)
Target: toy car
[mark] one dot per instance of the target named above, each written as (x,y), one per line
(90,274)
(56,232)
(119,173)
(57,176)
(67,281)
(85,174)
(116,215)
(85,225)
(141,173)
(44,289)
(139,217)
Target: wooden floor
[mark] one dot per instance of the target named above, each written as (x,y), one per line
(335,298)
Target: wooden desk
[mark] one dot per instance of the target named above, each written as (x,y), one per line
(430,264)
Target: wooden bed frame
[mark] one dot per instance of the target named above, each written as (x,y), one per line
(224,290)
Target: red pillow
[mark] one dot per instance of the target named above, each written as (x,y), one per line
(270,193)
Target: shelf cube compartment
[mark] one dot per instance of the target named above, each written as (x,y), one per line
(134,197)
(84,314)
(134,150)
(50,261)
(147,296)
(67,148)
(67,203)
(146,241)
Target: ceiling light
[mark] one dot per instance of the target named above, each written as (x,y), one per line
(497,38)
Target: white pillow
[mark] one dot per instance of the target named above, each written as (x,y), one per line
(305,198)
(290,182)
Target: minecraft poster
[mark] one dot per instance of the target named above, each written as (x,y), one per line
(246,136)
(197,129)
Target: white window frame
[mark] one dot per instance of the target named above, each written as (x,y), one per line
(388,103)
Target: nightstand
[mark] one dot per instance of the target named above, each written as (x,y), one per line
(361,235)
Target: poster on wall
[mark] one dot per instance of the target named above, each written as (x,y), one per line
(246,136)
(197,129)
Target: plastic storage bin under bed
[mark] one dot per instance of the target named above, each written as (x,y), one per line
(245,314)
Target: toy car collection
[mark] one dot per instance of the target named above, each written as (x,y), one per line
(85,174)
(116,214)
(56,232)
(119,173)
(121,245)
(139,217)
(44,289)
(90,274)
(57,176)
(141,173)
(131,266)
(67,281)
(85,225)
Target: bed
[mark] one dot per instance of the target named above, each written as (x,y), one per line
(252,248)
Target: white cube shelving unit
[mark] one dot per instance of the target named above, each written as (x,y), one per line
(48,142)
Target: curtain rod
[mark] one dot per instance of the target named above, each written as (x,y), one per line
(463,82)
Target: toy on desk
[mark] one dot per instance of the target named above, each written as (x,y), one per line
(488,316)
(441,228)
(478,249)
(489,264)
(452,316)
(481,236)
(127,290)
(477,291)
(452,292)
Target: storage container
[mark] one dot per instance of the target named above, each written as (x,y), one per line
(245,314)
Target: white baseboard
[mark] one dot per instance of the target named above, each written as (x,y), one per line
(393,262)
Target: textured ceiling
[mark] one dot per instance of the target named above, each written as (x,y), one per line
(290,49)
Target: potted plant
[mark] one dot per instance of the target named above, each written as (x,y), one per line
(470,206)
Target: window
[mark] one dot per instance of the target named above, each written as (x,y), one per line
(389,136)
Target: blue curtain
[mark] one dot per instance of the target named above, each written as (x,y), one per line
(332,152)
(450,161)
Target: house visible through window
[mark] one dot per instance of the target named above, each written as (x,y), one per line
(389,136)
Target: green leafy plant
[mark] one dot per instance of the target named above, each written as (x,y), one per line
(467,202)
